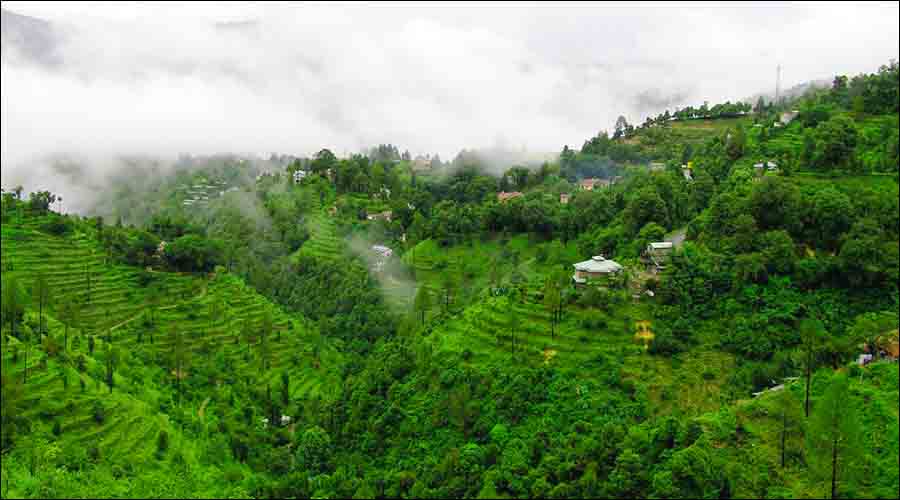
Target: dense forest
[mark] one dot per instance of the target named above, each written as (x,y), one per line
(379,326)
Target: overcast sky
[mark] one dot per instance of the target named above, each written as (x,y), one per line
(162,78)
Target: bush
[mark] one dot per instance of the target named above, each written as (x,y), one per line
(58,226)
(99,413)
(594,321)
(162,444)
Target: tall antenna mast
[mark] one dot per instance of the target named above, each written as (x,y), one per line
(778,85)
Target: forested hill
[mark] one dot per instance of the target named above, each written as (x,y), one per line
(386,327)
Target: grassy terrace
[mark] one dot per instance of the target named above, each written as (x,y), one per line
(480,331)
(121,425)
(70,264)
(323,239)
(482,334)
(431,264)
(220,319)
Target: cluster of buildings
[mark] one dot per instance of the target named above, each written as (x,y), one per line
(382,255)
(386,216)
(589,184)
(761,168)
(599,269)
(886,347)
(200,194)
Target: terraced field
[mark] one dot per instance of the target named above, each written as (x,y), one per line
(77,270)
(323,242)
(220,318)
(117,425)
(432,265)
(482,333)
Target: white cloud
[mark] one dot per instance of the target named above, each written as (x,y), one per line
(158,78)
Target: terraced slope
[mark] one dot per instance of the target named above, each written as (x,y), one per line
(77,270)
(483,334)
(87,416)
(220,318)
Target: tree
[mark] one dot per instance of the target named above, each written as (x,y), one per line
(13,304)
(736,143)
(179,359)
(812,334)
(514,324)
(285,389)
(832,212)
(448,284)
(422,302)
(552,300)
(43,297)
(314,451)
(265,332)
(787,409)
(621,127)
(835,142)
(11,392)
(69,315)
(833,436)
(112,360)
(645,207)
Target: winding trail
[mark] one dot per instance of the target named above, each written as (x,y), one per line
(166,308)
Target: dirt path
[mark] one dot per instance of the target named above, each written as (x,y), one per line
(167,308)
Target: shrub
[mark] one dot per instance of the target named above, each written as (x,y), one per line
(99,413)
(162,444)
(594,321)
(58,226)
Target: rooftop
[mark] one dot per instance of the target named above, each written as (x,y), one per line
(598,264)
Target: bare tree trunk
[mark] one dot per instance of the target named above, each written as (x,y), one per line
(834,465)
(783,435)
(808,381)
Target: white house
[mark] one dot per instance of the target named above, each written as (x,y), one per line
(598,267)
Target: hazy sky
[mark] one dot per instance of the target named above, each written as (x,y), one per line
(163,78)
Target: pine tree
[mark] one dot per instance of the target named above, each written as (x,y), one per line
(812,333)
(552,299)
(833,435)
(422,302)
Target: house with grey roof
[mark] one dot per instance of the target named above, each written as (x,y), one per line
(597,268)
(659,253)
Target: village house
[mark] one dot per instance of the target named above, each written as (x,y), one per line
(386,216)
(761,168)
(564,199)
(421,164)
(659,253)
(597,268)
(688,172)
(657,166)
(382,254)
(787,117)
(299,175)
(591,184)
(504,196)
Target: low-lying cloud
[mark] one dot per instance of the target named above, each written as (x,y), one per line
(161,79)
